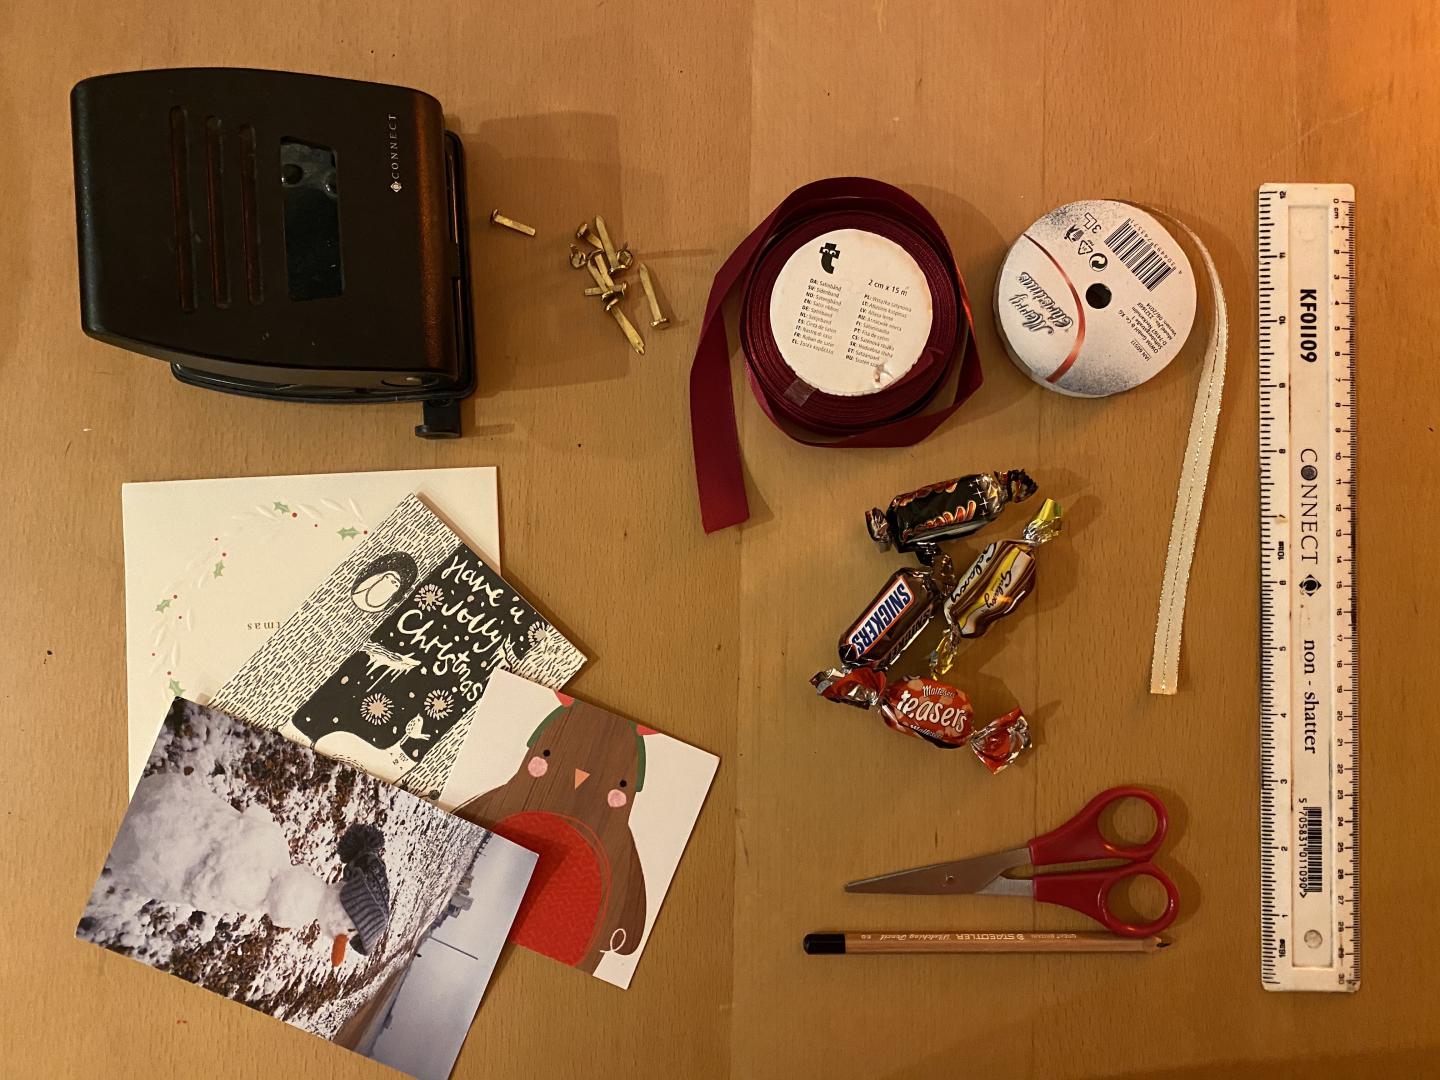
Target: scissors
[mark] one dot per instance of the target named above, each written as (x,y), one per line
(1079,840)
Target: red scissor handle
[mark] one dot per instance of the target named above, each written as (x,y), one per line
(1080,838)
(1088,892)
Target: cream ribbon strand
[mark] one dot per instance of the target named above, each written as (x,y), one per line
(1165,661)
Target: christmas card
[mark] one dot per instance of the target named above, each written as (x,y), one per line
(607,803)
(383,665)
(307,890)
(212,567)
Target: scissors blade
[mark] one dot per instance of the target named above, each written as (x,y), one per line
(959,876)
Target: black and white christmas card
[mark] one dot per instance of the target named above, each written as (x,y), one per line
(384,663)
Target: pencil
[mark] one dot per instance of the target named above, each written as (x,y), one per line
(1020,941)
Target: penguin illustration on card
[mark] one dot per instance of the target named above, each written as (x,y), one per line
(367,712)
(570,800)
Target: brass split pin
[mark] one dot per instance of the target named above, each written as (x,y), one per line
(594,251)
(657,317)
(497,218)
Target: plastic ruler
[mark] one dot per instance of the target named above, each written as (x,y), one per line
(1309,680)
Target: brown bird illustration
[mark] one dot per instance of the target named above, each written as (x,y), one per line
(570,801)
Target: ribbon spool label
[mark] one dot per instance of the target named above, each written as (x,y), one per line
(1094,298)
(851,312)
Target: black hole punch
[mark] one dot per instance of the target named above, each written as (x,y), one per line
(1098,295)
(310,178)
(180,194)
(249,215)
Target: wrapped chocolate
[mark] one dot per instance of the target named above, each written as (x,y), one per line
(931,710)
(1002,740)
(922,519)
(902,608)
(1000,577)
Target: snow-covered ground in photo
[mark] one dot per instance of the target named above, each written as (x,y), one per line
(435,1004)
(223,869)
(184,843)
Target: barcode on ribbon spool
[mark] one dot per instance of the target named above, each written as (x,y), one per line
(1145,261)
(1312,848)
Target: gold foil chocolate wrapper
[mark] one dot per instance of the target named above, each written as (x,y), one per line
(920,520)
(997,581)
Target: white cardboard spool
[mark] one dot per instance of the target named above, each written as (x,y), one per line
(851,312)
(1094,299)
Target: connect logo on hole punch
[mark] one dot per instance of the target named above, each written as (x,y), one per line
(392,132)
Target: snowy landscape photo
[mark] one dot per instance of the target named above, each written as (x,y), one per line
(305,889)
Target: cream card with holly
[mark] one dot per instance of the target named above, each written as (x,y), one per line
(213,567)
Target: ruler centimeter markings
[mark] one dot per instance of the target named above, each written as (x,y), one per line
(1309,680)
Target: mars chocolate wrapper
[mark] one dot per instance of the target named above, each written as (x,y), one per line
(998,580)
(931,710)
(920,520)
(901,609)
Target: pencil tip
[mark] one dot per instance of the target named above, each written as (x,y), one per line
(1163,943)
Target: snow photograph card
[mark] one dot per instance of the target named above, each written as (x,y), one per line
(213,567)
(307,890)
(382,666)
(608,804)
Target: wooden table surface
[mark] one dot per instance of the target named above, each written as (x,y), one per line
(685,124)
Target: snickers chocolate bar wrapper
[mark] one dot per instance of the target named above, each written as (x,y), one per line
(921,519)
(998,580)
(931,710)
(900,611)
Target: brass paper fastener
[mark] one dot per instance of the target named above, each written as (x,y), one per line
(498,218)
(610,259)
(636,342)
(586,235)
(657,317)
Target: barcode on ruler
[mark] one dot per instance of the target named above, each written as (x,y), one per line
(1140,255)
(1312,850)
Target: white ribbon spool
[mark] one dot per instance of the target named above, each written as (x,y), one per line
(1096,298)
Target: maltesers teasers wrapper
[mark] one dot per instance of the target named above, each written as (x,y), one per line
(920,520)
(1000,577)
(931,710)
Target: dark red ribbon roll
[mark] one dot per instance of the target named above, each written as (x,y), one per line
(894,416)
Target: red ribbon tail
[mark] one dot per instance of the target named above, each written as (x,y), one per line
(714,432)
